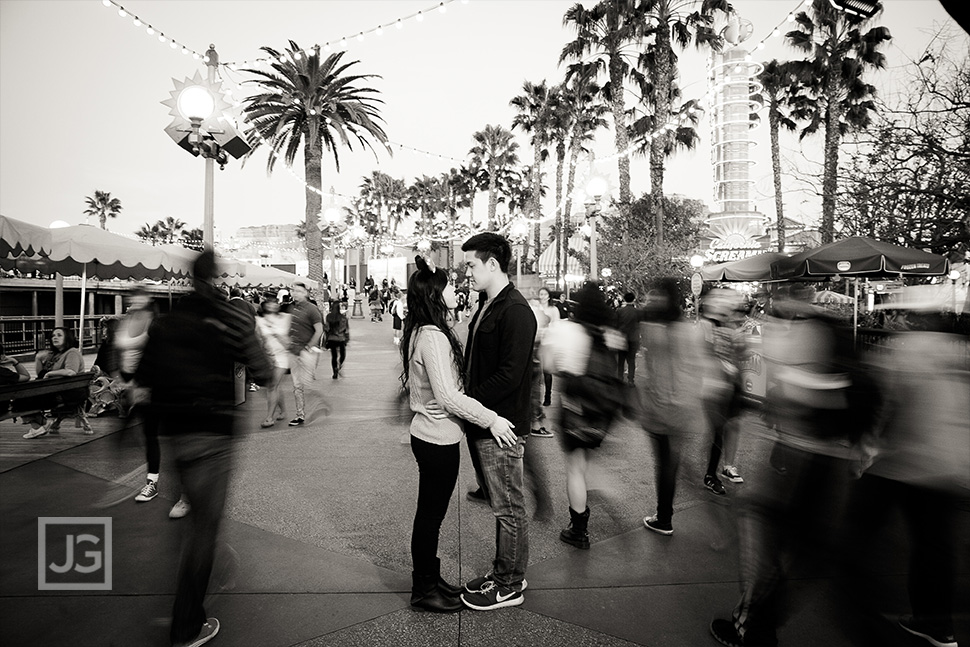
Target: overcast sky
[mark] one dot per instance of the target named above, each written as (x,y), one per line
(80,93)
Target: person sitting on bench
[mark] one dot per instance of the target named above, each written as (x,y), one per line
(11,371)
(62,359)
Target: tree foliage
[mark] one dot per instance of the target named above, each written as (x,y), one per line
(909,180)
(636,264)
(102,206)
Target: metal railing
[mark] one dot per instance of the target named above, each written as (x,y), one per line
(27,335)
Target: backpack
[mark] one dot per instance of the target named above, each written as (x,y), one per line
(593,400)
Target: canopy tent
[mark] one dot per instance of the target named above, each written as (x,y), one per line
(256,276)
(547,259)
(828,296)
(83,250)
(753,268)
(858,256)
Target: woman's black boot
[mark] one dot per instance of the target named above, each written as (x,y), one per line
(427,596)
(575,533)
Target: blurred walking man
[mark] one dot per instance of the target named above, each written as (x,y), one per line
(306,328)
(188,365)
(498,373)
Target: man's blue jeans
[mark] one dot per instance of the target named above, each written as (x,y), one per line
(502,468)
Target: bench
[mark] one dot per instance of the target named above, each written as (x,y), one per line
(62,396)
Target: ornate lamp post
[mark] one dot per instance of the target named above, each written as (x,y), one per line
(519,230)
(332,217)
(595,189)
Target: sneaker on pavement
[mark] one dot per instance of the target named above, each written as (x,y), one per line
(179,510)
(36,433)
(730,472)
(478,584)
(937,639)
(149,492)
(541,432)
(652,523)
(714,484)
(492,596)
(207,633)
(296,422)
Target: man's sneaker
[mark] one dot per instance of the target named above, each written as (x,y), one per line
(36,433)
(296,422)
(149,492)
(713,484)
(542,432)
(207,633)
(179,510)
(730,472)
(492,596)
(652,523)
(478,496)
(913,626)
(478,584)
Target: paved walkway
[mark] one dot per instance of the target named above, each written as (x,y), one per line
(317,530)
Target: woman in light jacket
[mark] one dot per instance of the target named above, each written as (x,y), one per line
(432,360)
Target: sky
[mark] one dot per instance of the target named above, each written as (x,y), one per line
(81,90)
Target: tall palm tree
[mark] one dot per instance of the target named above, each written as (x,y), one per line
(840,52)
(608,36)
(536,112)
(385,195)
(583,111)
(103,206)
(778,86)
(313,103)
(670,22)
(495,152)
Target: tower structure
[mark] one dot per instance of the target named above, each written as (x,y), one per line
(736,230)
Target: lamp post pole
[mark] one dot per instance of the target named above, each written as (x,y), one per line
(592,244)
(208,217)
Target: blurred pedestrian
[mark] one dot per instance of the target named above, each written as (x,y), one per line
(306,330)
(628,318)
(817,402)
(274,330)
(498,370)
(553,314)
(724,351)
(398,312)
(582,352)
(337,335)
(433,366)
(188,365)
(668,392)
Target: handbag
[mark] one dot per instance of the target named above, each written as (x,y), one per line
(591,401)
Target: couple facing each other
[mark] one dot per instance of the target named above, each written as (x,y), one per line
(482,394)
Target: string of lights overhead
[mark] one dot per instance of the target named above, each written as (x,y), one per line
(151,30)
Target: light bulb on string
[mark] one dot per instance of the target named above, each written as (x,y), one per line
(151,32)
(185,50)
(379,31)
(161,38)
(122,12)
(441,7)
(343,43)
(420,16)
(137,22)
(399,24)
(360,36)
(326,47)
(173,44)
(106,3)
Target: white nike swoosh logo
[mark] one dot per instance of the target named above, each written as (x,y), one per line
(502,598)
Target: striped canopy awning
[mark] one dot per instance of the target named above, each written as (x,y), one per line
(547,259)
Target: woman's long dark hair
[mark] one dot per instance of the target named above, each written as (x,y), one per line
(70,341)
(426,307)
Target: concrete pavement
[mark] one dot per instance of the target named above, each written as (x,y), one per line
(318,524)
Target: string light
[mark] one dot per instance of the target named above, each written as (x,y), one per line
(138,22)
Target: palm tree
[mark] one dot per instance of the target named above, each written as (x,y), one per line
(536,109)
(837,98)
(171,228)
(778,86)
(495,152)
(607,36)
(669,22)
(151,234)
(103,206)
(583,113)
(313,103)
(386,195)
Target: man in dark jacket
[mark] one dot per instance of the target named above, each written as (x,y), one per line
(628,318)
(188,364)
(498,373)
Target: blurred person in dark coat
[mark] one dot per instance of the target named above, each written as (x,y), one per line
(816,402)
(188,364)
(628,318)
(917,460)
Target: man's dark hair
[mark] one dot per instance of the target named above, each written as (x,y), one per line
(236,293)
(629,297)
(490,245)
(300,284)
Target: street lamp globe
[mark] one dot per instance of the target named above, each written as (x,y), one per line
(696,261)
(424,245)
(596,187)
(953,275)
(519,228)
(195,103)
(331,215)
